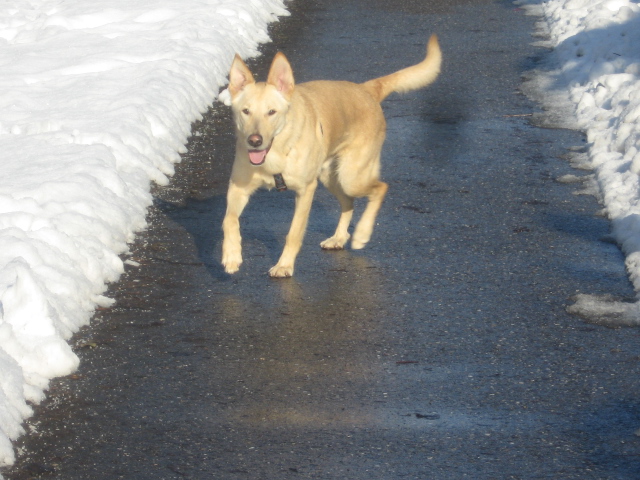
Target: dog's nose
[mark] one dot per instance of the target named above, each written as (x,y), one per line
(255,140)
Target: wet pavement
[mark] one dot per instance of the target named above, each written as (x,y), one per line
(440,351)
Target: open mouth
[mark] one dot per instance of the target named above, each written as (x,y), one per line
(257,157)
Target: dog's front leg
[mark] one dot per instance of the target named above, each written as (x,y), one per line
(304,199)
(237,199)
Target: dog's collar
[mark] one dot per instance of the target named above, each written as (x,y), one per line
(281,186)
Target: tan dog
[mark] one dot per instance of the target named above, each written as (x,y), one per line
(291,135)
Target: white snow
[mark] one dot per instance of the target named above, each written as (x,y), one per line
(96,102)
(97,98)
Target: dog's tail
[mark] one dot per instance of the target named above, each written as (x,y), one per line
(410,78)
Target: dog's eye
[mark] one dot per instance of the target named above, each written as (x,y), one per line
(271,113)
(245,111)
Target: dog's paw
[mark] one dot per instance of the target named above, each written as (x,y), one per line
(280,271)
(231,267)
(231,258)
(359,240)
(334,243)
(231,263)
(358,244)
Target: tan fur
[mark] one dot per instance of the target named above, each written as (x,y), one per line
(327,130)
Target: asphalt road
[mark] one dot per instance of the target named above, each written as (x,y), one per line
(440,351)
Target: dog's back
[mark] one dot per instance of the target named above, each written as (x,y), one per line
(344,109)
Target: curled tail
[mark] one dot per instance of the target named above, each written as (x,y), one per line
(410,78)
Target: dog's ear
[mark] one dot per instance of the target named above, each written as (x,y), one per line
(239,77)
(281,75)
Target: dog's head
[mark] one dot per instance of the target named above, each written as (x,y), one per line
(260,109)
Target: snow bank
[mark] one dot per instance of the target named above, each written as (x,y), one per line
(96,102)
(597,43)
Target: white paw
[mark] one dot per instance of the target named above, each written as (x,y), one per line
(334,243)
(358,244)
(280,271)
(231,263)
(231,267)
(359,240)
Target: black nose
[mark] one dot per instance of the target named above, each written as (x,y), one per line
(255,140)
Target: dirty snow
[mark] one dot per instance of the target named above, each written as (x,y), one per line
(597,86)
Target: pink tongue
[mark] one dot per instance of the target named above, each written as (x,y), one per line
(256,157)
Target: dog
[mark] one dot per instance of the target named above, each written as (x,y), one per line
(291,136)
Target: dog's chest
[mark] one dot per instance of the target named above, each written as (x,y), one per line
(297,168)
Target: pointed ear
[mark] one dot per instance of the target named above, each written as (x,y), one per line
(239,77)
(281,75)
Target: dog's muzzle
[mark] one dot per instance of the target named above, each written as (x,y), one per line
(257,156)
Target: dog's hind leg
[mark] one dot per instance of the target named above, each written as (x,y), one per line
(364,228)
(359,174)
(304,199)
(341,235)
